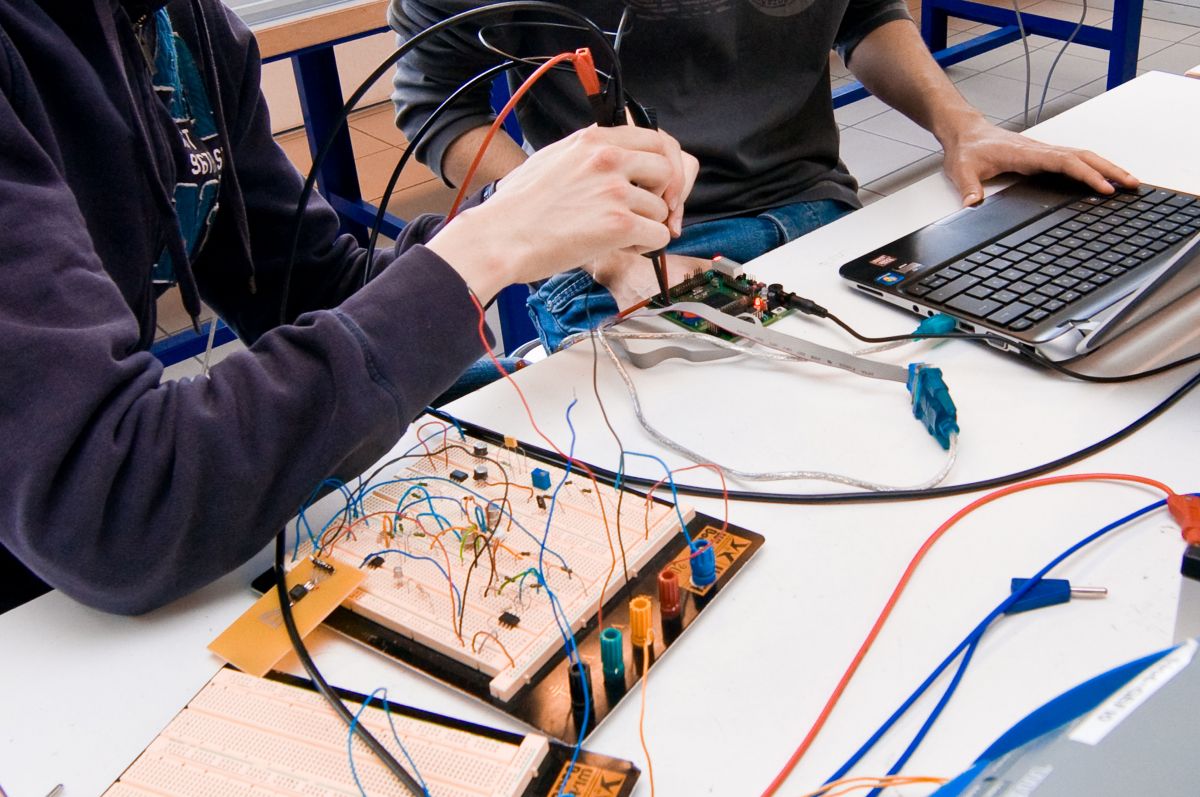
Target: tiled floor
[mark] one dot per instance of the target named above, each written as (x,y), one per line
(995,83)
(883,149)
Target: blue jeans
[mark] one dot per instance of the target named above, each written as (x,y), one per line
(573,302)
(479,373)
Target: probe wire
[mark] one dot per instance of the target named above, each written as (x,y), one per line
(968,645)
(502,9)
(875,496)
(310,667)
(844,681)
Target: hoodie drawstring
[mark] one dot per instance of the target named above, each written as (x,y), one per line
(189,292)
(237,201)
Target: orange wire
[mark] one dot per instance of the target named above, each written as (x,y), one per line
(662,481)
(642,715)
(421,440)
(498,642)
(847,785)
(453,616)
(504,547)
(532,492)
(612,567)
(500,117)
(811,736)
(499,366)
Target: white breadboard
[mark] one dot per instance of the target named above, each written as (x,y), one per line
(413,597)
(248,736)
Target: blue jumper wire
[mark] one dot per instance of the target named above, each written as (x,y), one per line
(967,648)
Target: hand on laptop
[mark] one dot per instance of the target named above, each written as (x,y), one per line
(981,150)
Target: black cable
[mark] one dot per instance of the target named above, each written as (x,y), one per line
(474,14)
(462,90)
(1042,360)
(1027,352)
(608,477)
(636,108)
(310,667)
(910,336)
(809,307)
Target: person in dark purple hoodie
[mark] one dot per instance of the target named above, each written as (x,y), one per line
(136,153)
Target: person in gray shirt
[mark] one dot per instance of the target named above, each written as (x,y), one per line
(744,86)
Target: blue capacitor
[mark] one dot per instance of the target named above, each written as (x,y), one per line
(612,654)
(541,479)
(704,564)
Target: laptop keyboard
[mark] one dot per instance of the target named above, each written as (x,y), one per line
(1056,261)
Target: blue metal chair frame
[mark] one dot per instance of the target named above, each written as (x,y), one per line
(1121,41)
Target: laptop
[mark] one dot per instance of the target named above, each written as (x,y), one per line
(1046,264)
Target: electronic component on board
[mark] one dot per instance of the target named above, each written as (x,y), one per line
(640,633)
(540,478)
(704,564)
(579,674)
(481,601)
(729,292)
(612,654)
(480,450)
(481,473)
(668,594)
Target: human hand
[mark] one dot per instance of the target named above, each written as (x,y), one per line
(980,150)
(598,190)
(630,278)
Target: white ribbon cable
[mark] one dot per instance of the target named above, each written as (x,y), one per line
(694,456)
(795,347)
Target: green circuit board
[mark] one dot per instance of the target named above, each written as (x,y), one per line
(735,296)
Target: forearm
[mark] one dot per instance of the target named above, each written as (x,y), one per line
(502,156)
(896,66)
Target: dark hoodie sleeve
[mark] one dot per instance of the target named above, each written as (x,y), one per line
(125,492)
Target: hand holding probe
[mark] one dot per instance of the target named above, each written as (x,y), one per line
(609,111)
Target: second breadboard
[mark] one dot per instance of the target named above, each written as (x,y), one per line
(484,566)
(243,736)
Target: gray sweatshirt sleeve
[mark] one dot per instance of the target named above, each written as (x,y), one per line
(862,17)
(433,71)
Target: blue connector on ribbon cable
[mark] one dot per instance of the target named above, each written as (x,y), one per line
(931,402)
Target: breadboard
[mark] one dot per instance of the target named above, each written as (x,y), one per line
(243,735)
(497,618)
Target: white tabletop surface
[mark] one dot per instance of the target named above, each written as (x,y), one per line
(82,693)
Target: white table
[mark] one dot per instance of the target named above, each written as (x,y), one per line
(82,692)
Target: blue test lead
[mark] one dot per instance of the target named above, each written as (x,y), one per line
(1049,592)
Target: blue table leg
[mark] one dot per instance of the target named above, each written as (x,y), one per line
(515,326)
(1126,35)
(1121,42)
(933,26)
(321,102)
